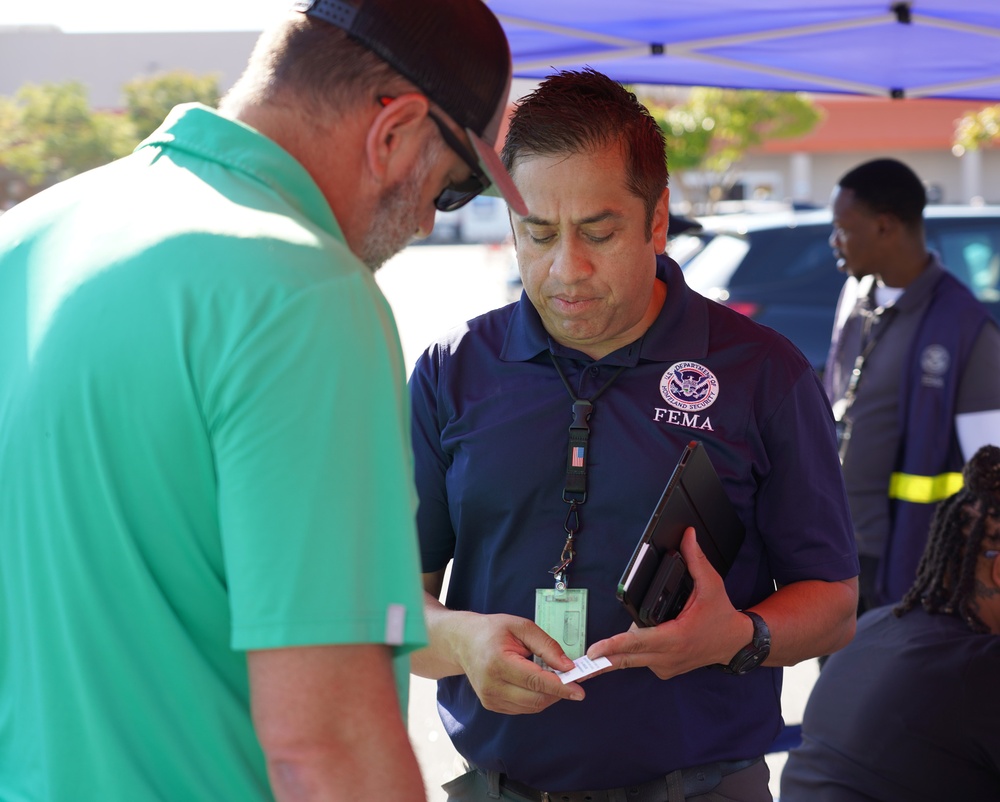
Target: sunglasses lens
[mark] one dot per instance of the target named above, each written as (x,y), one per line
(457,195)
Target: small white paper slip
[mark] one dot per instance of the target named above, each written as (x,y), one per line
(584,667)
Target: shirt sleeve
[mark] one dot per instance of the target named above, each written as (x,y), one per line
(316,498)
(435,531)
(802,510)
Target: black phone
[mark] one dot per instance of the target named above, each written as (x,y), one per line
(668,592)
(656,584)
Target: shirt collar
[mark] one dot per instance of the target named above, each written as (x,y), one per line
(680,331)
(203,132)
(922,286)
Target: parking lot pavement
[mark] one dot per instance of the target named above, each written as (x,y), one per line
(432,288)
(439,762)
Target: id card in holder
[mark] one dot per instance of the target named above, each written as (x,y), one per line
(562,614)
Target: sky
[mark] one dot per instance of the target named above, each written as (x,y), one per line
(90,16)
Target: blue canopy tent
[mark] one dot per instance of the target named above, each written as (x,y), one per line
(922,48)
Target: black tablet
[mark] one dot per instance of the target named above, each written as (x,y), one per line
(656,582)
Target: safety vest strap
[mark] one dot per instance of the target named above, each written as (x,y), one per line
(924,489)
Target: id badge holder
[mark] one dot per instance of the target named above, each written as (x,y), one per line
(562,614)
(843,424)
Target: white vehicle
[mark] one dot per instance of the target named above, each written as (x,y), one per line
(483,219)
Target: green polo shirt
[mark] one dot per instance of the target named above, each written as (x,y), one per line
(204,449)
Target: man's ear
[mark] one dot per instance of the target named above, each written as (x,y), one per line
(395,136)
(888,224)
(661,221)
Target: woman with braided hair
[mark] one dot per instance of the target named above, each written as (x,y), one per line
(910,710)
(946,577)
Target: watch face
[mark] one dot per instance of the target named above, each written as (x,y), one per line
(751,661)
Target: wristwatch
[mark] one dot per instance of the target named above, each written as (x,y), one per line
(754,653)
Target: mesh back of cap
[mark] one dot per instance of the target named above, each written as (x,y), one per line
(453,50)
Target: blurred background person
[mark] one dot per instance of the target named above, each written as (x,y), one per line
(913,373)
(908,711)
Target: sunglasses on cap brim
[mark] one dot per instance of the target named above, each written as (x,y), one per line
(456,195)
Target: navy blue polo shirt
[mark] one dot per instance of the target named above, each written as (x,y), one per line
(490,433)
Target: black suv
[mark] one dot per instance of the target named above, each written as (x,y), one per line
(778,268)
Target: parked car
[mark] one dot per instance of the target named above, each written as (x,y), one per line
(778,268)
(483,219)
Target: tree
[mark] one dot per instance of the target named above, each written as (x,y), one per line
(714,128)
(977,128)
(49,132)
(148,100)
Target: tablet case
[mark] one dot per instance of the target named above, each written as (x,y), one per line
(656,582)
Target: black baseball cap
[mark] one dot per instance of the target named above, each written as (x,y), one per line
(455,52)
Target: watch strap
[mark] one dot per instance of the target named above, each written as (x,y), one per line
(755,652)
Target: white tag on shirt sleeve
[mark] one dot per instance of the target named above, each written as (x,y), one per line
(395,624)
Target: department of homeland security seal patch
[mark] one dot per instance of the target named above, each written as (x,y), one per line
(935,359)
(689,386)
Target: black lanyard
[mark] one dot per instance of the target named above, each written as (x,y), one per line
(575,491)
(869,339)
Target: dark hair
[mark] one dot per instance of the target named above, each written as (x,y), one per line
(946,575)
(317,63)
(571,112)
(888,186)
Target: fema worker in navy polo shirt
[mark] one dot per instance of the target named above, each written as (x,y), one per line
(544,433)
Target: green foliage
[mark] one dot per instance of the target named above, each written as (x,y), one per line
(49,132)
(689,135)
(150,99)
(977,128)
(714,128)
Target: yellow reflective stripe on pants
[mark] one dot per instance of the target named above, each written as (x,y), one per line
(924,489)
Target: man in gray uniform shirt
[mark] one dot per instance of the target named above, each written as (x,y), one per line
(913,373)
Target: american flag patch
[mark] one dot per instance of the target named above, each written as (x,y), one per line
(577,457)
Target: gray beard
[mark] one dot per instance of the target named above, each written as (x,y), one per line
(396,219)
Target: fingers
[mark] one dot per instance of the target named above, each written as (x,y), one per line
(535,690)
(503,673)
(542,644)
(522,686)
(695,558)
(622,649)
(660,649)
(684,643)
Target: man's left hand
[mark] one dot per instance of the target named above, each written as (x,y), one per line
(708,630)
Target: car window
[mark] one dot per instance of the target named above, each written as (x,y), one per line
(712,268)
(683,247)
(971,250)
(794,265)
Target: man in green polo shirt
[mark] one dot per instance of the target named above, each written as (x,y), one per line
(208,571)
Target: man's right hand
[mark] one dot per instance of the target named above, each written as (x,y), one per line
(496,653)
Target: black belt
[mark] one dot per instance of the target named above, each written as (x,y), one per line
(696,780)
